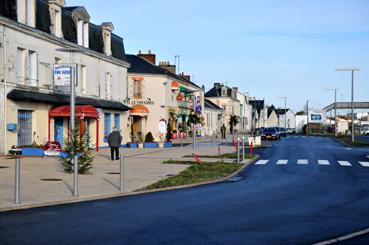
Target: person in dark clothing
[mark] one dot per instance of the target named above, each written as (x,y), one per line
(223,129)
(114,140)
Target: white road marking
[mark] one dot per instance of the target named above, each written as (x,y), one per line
(302,161)
(261,162)
(364,164)
(282,162)
(323,162)
(343,238)
(345,163)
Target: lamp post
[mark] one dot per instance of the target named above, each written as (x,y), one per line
(335,108)
(194,126)
(285,110)
(352,70)
(74,159)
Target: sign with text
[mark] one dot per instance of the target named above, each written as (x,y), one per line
(62,74)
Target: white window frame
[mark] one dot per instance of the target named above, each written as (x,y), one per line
(32,68)
(20,66)
(84,80)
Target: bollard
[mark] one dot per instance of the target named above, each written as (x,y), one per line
(121,173)
(219,151)
(75,176)
(251,149)
(181,139)
(238,150)
(243,148)
(17,181)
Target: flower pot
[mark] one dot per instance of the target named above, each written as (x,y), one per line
(161,144)
(133,145)
(140,145)
(151,145)
(168,144)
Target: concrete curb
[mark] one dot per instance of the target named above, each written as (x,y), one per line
(347,145)
(134,193)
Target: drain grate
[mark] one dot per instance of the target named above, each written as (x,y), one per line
(51,179)
(113,173)
(4,167)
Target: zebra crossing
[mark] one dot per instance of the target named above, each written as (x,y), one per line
(306,162)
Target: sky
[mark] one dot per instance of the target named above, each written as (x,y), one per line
(266,48)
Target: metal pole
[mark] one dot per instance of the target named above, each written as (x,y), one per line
(75,176)
(181,135)
(285,112)
(243,148)
(193,125)
(352,107)
(17,180)
(307,120)
(121,173)
(335,113)
(238,150)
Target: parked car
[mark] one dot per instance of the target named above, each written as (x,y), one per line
(270,134)
(279,131)
(291,131)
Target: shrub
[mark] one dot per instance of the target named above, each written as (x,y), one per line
(168,136)
(149,138)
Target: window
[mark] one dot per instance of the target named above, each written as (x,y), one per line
(32,68)
(117,121)
(57,23)
(84,79)
(108,85)
(82,33)
(26,12)
(107,125)
(20,66)
(137,89)
(24,127)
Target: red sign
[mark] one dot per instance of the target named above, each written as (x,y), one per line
(179,97)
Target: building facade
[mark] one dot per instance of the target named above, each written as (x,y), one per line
(213,118)
(33,34)
(157,95)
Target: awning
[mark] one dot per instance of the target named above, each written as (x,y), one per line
(139,110)
(82,111)
(63,99)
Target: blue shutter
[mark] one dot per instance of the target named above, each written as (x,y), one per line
(107,126)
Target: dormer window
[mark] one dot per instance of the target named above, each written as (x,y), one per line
(107,29)
(81,19)
(55,8)
(82,33)
(26,12)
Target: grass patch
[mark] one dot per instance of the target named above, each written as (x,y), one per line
(225,156)
(197,174)
(347,140)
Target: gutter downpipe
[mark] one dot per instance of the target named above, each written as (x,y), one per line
(5,88)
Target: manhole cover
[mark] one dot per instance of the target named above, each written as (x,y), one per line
(113,173)
(4,167)
(51,179)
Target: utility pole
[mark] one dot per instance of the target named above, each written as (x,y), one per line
(352,70)
(307,120)
(335,108)
(285,110)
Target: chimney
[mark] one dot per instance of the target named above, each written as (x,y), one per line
(148,57)
(167,66)
(107,29)
(216,85)
(234,92)
(187,77)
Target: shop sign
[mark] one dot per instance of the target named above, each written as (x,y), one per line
(179,97)
(141,102)
(62,74)
(162,126)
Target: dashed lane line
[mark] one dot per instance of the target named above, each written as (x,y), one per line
(323,162)
(364,164)
(261,162)
(344,163)
(302,161)
(282,162)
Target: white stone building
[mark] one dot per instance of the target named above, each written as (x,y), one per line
(34,110)
(213,116)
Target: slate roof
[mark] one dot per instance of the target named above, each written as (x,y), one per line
(140,65)
(270,110)
(280,111)
(43,22)
(212,106)
(217,92)
(63,99)
(257,104)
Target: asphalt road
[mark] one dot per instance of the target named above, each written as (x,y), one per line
(302,190)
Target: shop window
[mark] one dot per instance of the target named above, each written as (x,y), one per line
(117,121)
(24,127)
(107,126)
(137,89)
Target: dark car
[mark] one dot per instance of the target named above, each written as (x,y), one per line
(282,131)
(270,134)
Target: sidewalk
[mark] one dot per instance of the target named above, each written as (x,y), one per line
(142,168)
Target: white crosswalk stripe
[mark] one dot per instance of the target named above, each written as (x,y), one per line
(302,161)
(344,163)
(282,162)
(261,162)
(364,164)
(323,162)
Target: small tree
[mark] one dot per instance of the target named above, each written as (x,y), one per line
(78,144)
(168,136)
(149,138)
(233,121)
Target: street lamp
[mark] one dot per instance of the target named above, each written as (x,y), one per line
(285,110)
(74,159)
(194,126)
(335,108)
(352,70)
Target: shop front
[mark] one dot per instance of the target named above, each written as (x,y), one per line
(138,118)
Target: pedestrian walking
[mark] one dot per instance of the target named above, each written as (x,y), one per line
(223,129)
(114,140)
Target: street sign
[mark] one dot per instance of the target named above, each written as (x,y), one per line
(62,74)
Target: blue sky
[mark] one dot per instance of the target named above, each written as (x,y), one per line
(267,48)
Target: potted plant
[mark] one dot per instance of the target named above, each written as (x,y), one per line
(149,141)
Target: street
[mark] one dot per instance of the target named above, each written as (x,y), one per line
(302,190)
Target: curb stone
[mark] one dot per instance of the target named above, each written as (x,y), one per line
(247,162)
